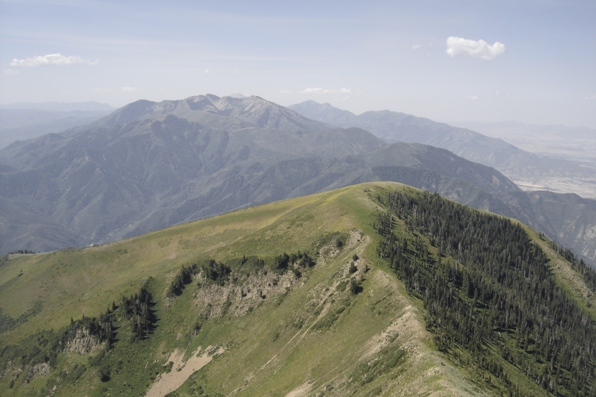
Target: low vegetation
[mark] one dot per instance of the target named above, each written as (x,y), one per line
(361,291)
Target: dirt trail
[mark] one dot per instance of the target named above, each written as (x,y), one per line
(181,371)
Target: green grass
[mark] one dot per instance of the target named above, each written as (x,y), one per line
(313,334)
(71,283)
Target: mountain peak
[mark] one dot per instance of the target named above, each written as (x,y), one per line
(213,110)
(324,111)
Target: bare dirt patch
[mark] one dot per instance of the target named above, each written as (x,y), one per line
(181,371)
(300,391)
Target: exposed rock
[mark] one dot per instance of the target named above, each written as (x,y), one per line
(84,343)
(38,370)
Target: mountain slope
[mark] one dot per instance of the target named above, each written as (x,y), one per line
(125,173)
(144,167)
(150,165)
(522,167)
(568,142)
(228,312)
(569,217)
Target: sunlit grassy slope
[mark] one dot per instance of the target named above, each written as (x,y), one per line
(71,283)
(278,334)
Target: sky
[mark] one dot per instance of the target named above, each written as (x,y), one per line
(531,61)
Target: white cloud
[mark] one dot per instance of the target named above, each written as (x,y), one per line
(473,97)
(103,90)
(314,90)
(129,89)
(286,92)
(416,46)
(10,72)
(318,90)
(206,71)
(52,59)
(590,98)
(457,46)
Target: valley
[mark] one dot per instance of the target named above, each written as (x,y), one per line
(562,142)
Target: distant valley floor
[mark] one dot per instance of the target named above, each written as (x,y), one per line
(585,188)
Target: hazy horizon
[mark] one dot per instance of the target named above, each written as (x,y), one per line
(457,123)
(531,62)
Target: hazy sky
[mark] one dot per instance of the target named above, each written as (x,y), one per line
(530,61)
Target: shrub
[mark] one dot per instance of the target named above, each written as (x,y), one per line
(105,373)
(355,287)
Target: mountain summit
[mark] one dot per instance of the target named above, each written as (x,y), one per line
(217,112)
(150,165)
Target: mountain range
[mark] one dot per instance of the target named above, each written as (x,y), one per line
(568,142)
(149,165)
(526,169)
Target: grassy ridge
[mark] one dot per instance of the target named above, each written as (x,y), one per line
(279,332)
(71,283)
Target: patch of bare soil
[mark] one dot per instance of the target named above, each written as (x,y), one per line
(300,391)
(181,371)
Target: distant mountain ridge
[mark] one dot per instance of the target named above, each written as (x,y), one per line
(143,167)
(153,164)
(22,121)
(518,165)
(216,112)
(571,143)
(88,106)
